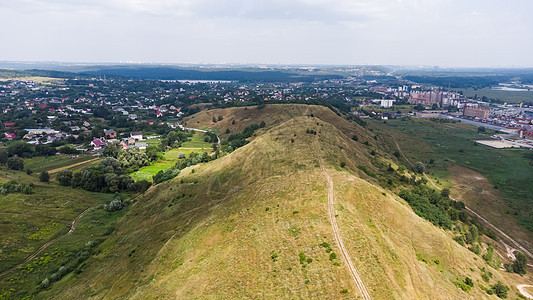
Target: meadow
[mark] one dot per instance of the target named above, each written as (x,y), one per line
(169,159)
(508,170)
(31,220)
(504,96)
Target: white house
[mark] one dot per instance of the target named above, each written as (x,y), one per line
(138,135)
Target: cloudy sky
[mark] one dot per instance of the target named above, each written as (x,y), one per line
(401,32)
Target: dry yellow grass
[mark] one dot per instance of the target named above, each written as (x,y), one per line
(213,233)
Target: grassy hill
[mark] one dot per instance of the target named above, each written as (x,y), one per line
(254,224)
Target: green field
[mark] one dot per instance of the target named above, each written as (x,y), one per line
(40,164)
(507,169)
(30,221)
(505,96)
(197,141)
(170,157)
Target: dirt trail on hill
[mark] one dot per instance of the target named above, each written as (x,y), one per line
(73,165)
(523,291)
(336,231)
(27,260)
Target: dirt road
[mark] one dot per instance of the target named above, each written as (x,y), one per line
(29,258)
(73,165)
(336,231)
(523,291)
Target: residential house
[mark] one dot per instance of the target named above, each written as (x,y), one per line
(137,135)
(110,133)
(10,136)
(141,146)
(97,144)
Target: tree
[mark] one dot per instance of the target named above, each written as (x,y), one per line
(15,163)
(262,124)
(44,177)
(112,150)
(520,264)
(481,129)
(420,167)
(3,156)
(64,177)
(152,151)
(445,192)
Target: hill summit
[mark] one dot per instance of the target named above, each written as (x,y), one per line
(298,212)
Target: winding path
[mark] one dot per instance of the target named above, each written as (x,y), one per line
(523,291)
(336,231)
(29,258)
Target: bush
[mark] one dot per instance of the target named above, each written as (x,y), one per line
(499,289)
(15,163)
(44,177)
(520,264)
(114,205)
(343,164)
(64,177)
(45,283)
(420,167)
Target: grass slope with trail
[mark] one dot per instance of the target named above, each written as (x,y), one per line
(255,223)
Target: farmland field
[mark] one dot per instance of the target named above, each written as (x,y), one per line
(40,164)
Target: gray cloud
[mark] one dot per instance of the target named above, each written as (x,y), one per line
(437,32)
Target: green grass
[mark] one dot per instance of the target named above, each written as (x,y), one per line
(40,164)
(197,141)
(507,169)
(29,221)
(170,157)
(505,96)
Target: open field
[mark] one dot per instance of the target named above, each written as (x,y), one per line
(170,157)
(197,141)
(476,191)
(49,163)
(30,221)
(504,96)
(508,170)
(43,80)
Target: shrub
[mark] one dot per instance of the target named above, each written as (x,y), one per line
(114,205)
(343,164)
(15,163)
(45,283)
(64,177)
(499,289)
(332,256)
(520,264)
(44,177)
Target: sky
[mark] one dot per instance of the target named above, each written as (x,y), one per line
(453,33)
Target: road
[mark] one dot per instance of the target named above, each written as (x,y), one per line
(29,258)
(336,231)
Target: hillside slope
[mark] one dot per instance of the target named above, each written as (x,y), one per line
(254,224)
